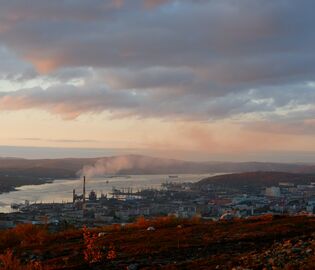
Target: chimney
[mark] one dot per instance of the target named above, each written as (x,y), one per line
(84,190)
(73,196)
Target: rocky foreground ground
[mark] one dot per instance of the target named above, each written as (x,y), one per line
(267,242)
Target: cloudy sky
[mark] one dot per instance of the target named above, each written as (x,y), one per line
(190,79)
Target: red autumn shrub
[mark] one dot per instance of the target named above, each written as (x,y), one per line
(92,251)
(10,262)
(23,235)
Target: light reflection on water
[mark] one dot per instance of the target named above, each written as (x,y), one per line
(61,190)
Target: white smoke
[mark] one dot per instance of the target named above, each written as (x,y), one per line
(116,165)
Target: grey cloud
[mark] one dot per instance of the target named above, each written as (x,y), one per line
(67,100)
(188,59)
(156,77)
(13,68)
(265,39)
(70,101)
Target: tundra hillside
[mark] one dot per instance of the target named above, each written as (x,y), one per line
(265,242)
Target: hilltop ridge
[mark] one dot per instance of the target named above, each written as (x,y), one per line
(257,179)
(265,242)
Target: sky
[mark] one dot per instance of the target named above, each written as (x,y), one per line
(189,79)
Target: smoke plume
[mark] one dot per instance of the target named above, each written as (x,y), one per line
(114,165)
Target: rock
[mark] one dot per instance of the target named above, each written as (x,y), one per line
(309,251)
(133,266)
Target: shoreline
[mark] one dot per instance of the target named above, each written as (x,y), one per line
(37,182)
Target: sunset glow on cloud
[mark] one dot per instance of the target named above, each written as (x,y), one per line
(190,79)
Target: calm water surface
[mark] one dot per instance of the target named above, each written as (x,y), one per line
(61,190)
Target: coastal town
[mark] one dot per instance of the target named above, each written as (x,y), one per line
(209,201)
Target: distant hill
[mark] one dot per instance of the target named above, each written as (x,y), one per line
(137,164)
(73,164)
(16,172)
(256,179)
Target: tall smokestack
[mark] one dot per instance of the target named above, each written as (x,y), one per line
(83,191)
(73,196)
